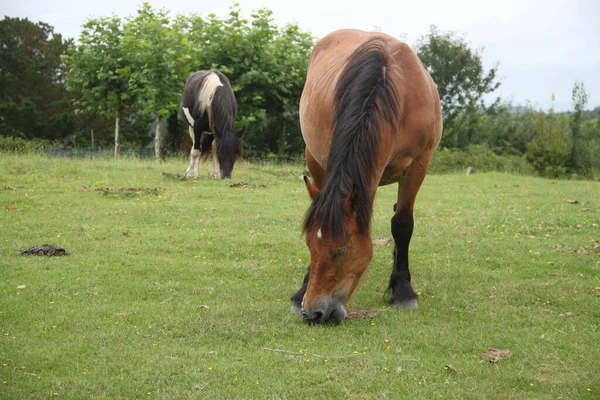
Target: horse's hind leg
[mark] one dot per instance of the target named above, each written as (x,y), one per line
(403,295)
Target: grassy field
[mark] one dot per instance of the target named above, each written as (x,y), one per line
(179,289)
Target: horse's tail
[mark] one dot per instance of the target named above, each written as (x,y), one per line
(365,97)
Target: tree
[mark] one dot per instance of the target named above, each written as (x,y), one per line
(507,130)
(266,66)
(548,150)
(577,157)
(291,49)
(160,63)
(590,135)
(99,71)
(461,80)
(33,100)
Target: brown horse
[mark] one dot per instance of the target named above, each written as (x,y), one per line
(370,116)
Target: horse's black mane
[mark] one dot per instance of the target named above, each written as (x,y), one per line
(362,97)
(224,108)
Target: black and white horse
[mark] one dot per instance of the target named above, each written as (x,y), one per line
(210,109)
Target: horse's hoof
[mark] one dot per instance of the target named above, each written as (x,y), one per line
(409,304)
(296,309)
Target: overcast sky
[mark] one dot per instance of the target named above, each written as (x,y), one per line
(542,47)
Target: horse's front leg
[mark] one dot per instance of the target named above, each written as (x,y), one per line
(192,171)
(403,295)
(297,298)
(215,171)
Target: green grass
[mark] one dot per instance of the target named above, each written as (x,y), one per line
(176,290)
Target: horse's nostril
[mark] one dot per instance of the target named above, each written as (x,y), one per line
(314,317)
(318,316)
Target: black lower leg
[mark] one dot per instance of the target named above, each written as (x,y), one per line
(402,228)
(203,139)
(299,295)
(206,144)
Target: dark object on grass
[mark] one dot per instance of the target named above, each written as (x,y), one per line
(175,177)
(45,250)
(245,185)
(360,314)
(129,192)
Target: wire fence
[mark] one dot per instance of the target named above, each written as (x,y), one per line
(148,153)
(94,153)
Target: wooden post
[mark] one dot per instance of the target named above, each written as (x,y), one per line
(117,136)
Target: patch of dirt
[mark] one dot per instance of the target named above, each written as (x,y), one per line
(130,192)
(593,248)
(494,355)
(44,250)
(360,314)
(567,314)
(174,177)
(450,368)
(246,185)
(381,241)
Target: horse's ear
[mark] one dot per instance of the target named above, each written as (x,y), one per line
(312,189)
(350,201)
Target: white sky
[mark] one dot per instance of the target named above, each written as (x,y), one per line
(542,47)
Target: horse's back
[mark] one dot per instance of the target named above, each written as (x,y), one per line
(419,104)
(199,91)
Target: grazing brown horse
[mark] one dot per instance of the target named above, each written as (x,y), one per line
(370,116)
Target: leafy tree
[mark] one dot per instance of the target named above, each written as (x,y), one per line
(461,80)
(33,101)
(507,130)
(548,151)
(590,135)
(160,63)
(99,71)
(266,66)
(577,159)
(291,49)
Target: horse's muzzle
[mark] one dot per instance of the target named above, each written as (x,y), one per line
(328,311)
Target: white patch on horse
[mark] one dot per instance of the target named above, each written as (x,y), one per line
(207,92)
(188,116)
(319,234)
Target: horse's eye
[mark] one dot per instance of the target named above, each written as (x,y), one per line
(338,253)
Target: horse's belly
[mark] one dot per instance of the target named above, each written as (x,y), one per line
(394,171)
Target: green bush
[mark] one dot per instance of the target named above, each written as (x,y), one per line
(479,158)
(14,145)
(548,151)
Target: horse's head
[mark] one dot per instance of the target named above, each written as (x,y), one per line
(337,263)
(229,150)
